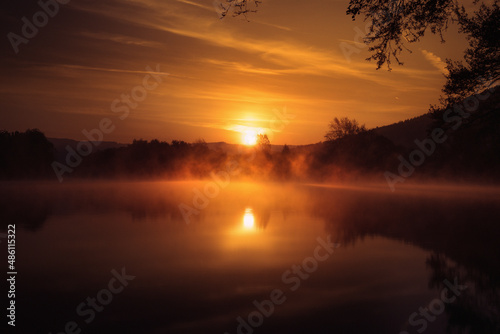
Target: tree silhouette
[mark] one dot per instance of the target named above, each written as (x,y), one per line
(481,68)
(237,7)
(263,143)
(394,22)
(339,128)
(25,154)
(285,150)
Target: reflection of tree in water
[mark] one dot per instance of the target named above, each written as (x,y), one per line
(462,235)
(262,217)
(478,308)
(29,206)
(28,215)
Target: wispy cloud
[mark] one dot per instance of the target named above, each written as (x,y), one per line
(220,70)
(436,61)
(291,56)
(196,4)
(121,39)
(242,67)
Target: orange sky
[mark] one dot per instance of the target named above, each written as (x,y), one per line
(219,77)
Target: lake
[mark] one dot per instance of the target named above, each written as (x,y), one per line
(189,257)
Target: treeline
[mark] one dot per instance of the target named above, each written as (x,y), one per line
(461,145)
(25,155)
(155,158)
(31,155)
(471,152)
(182,160)
(353,156)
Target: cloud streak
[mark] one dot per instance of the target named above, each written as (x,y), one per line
(219,70)
(436,61)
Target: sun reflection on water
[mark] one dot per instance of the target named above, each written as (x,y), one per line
(248,219)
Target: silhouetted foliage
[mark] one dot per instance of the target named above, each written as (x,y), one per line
(25,154)
(155,158)
(237,7)
(481,68)
(285,150)
(394,22)
(263,143)
(339,128)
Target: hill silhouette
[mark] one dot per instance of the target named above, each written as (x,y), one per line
(405,132)
(460,143)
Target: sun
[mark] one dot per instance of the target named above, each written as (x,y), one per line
(249,137)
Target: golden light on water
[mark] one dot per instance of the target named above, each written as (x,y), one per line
(248,219)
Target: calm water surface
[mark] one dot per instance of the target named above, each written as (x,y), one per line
(256,259)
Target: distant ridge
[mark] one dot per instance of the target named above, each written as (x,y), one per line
(404,133)
(61,143)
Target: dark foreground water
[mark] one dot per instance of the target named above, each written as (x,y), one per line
(121,258)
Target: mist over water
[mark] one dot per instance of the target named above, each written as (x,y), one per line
(395,252)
